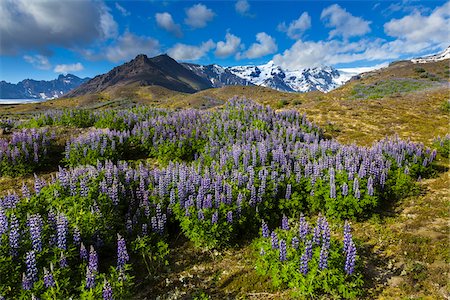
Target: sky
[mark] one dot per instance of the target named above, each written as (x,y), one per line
(42,39)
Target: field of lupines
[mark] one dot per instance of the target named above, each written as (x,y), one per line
(223,176)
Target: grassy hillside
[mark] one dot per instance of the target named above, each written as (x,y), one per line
(405,246)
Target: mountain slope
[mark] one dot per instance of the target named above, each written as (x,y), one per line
(161,71)
(40,89)
(217,75)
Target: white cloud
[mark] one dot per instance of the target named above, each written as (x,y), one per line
(165,21)
(68,68)
(344,23)
(38,61)
(35,25)
(229,47)
(122,10)
(297,27)
(242,7)
(416,28)
(198,15)
(190,52)
(265,45)
(128,46)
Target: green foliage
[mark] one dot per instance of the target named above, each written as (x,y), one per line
(419,70)
(442,145)
(446,105)
(80,118)
(152,251)
(332,281)
(383,88)
(282,103)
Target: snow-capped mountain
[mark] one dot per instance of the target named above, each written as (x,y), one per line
(40,89)
(433,58)
(217,75)
(322,79)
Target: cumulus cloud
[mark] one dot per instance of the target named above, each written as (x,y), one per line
(265,45)
(189,52)
(415,33)
(242,7)
(165,21)
(297,27)
(417,28)
(128,46)
(122,10)
(36,25)
(38,61)
(344,23)
(198,15)
(68,68)
(228,47)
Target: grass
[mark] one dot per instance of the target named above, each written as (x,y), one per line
(385,88)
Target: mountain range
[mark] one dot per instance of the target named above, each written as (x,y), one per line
(166,72)
(40,89)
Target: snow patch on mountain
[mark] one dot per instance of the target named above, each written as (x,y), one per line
(433,58)
(270,75)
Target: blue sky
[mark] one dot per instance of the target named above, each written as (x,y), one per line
(41,39)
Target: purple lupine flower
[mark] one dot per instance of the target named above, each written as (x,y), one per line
(122,254)
(295,242)
(83,252)
(37,185)
(265,230)
(76,236)
(288,192)
(35,226)
(350,258)
(332,190)
(282,250)
(84,189)
(26,283)
(347,236)
(344,189)
(14,235)
(323,260)
(230,217)
(357,193)
(304,264)
(107,292)
(61,228)
(200,215)
(215,217)
(262,252)
(325,233)
(63,261)
(30,261)
(355,184)
(274,238)
(90,278)
(3,223)
(284,223)
(25,191)
(49,281)
(308,249)
(303,228)
(370,186)
(93,260)
(316,235)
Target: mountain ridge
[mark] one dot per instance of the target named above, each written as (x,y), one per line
(40,89)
